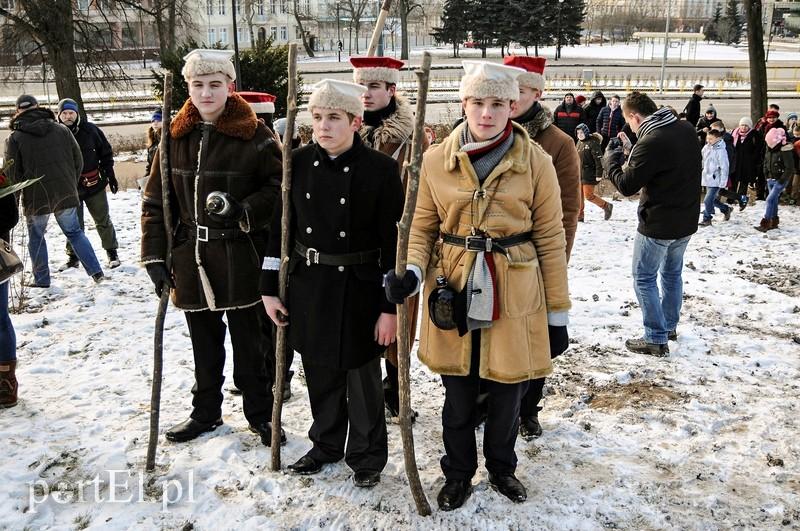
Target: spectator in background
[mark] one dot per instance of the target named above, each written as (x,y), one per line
(704,124)
(796,179)
(580,99)
(568,115)
(9,216)
(39,146)
(778,170)
(749,145)
(153,140)
(610,121)
(665,165)
(593,108)
(280,129)
(97,173)
(729,192)
(764,122)
(791,123)
(715,176)
(591,169)
(692,109)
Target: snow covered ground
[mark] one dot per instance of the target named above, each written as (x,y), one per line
(703,439)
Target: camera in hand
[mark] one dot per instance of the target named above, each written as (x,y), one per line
(614,143)
(218,203)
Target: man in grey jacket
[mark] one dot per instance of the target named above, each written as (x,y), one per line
(40,147)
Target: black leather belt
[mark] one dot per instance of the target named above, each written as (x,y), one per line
(486,243)
(203,233)
(313,256)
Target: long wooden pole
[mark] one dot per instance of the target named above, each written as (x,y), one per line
(158,341)
(283,274)
(376,33)
(403,341)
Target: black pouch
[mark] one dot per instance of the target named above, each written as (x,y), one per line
(447,307)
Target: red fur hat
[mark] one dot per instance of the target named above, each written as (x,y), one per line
(366,69)
(534,78)
(260,102)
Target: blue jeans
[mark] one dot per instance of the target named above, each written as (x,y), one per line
(712,200)
(8,341)
(37,246)
(660,311)
(775,189)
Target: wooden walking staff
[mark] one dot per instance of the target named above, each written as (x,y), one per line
(376,33)
(158,343)
(283,274)
(403,341)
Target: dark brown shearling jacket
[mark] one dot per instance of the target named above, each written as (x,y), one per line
(236,155)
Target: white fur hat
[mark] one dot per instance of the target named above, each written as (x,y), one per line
(335,94)
(201,62)
(489,80)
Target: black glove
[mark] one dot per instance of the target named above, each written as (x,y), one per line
(398,290)
(160,276)
(613,154)
(559,340)
(113,185)
(224,207)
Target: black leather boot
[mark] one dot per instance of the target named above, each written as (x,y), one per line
(191,429)
(264,430)
(453,494)
(509,486)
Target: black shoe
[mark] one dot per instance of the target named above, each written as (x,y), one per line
(305,466)
(453,494)
(672,335)
(509,486)
(641,346)
(704,223)
(529,428)
(34,284)
(607,210)
(113,258)
(264,430)
(191,429)
(72,261)
(287,386)
(98,277)
(727,214)
(366,479)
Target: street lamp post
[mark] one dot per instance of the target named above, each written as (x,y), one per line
(666,46)
(558,33)
(338,34)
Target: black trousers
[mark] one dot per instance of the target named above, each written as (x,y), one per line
(391,387)
(341,397)
(253,353)
(530,402)
(458,430)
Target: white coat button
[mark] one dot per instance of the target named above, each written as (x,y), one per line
(308,196)
(346,169)
(342,201)
(341,268)
(316,163)
(342,234)
(308,230)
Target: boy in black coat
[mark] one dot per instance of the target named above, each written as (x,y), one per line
(346,200)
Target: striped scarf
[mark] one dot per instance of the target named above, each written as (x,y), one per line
(487,154)
(660,118)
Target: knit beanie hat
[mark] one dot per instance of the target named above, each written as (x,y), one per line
(790,116)
(580,99)
(711,109)
(335,94)
(746,121)
(371,69)
(533,76)
(25,102)
(584,128)
(201,62)
(775,136)
(772,114)
(156,116)
(67,104)
(489,80)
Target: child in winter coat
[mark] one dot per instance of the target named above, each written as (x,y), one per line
(778,169)
(591,168)
(715,175)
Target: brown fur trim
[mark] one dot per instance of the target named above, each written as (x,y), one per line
(238,119)
(540,122)
(395,129)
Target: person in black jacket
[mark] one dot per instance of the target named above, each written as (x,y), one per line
(692,109)
(568,115)
(593,108)
(704,124)
(610,120)
(346,199)
(665,165)
(9,216)
(98,171)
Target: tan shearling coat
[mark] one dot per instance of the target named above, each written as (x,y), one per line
(522,194)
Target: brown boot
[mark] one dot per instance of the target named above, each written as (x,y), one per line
(8,384)
(764,225)
(773,223)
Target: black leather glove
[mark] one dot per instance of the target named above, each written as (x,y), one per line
(613,154)
(160,276)
(559,340)
(398,290)
(224,207)
(113,185)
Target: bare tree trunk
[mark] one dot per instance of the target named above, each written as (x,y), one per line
(158,341)
(298,19)
(403,343)
(758,65)
(64,63)
(404,36)
(283,274)
(171,26)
